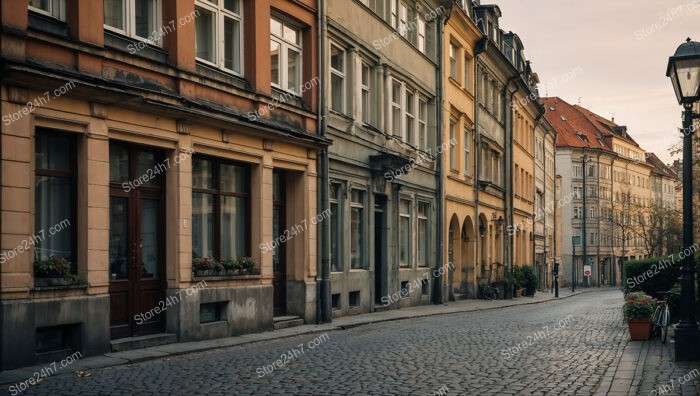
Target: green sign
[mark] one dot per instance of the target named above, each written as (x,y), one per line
(576,239)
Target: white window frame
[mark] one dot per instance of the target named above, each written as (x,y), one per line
(57,9)
(219,51)
(467,63)
(403,20)
(453,151)
(467,150)
(410,117)
(420,38)
(394,13)
(422,123)
(361,227)
(285,46)
(426,243)
(338,73)
(453,61)
(130,22)
(366,93)
(403,215)
(396,130)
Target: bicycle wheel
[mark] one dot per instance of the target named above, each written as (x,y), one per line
(489,293)
(655,321)
(665,318)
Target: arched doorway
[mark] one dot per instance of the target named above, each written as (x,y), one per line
(468,262)
(454,257)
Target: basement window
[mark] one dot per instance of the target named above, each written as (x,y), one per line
(354,299)
(335,301)
(212,312)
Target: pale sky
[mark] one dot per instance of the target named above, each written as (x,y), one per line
(616,56)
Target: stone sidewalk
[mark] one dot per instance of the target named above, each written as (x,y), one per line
(647,368)
(346,322)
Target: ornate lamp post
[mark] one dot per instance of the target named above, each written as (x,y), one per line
(684,71)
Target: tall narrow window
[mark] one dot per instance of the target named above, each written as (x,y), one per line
(54,196)
(337,78)
(357,229)
(220,209)
(423,244)
(410,117)
(285,41)
(366,94)
(420,42)
(396,108)
(403,19)
(218,34)
(394,13)
(453,61)
(467,150)
(453,151)
(467,80)
(336,228)
(422,124)
(53,8)
(404,233)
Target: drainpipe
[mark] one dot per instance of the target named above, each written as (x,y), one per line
(508,195)
(323,284)
(477,156)
(437,285)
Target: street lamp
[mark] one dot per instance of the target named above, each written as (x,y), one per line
(684,71)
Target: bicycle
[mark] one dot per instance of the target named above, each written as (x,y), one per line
(487,292)
(662,316)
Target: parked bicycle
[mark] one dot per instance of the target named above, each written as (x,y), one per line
(488,292)
(662,316)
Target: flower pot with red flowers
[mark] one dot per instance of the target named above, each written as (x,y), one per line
(52,271)
(638,310)
(206,266)
(247,265)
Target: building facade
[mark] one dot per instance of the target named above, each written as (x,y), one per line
(170,135)
(381,66)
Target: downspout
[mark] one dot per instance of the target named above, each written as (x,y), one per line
(323,285)
(438,280)
(508,194)
(535,212)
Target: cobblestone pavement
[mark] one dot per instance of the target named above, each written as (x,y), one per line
(659,375)
(571,343)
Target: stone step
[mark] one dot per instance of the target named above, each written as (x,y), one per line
(129,343)
(283,322)
(382,307)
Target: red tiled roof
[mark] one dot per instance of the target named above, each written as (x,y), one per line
(574,127)
(660,167)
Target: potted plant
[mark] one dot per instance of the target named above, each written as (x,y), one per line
(518,280)
(52,267)
(530,279)
(247,265)
(638,310)
(206,266)
(231,266)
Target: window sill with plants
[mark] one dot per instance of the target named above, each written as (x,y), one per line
(210,268)
(55,272)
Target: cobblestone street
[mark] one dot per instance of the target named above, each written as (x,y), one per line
(466,353)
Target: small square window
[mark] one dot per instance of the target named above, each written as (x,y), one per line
(212,312)
(424,287)
(404,290)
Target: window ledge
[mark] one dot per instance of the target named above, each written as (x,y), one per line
(226,277)
(359,269)
(129,45)
(47,24)
(58,287)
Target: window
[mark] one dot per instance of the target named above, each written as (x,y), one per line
(336,227)
(54,195)
(423,245)
(338,78)
(396,108)
(410,117)
(357,229)
(404,233)
(422,124)
(453,154)
(366,94)
(403,20)
(421,34)
(578,212)
(212,312)
(496,168)
(218,34)
(220,209)
(335,301)
(135,18)
(453,61)
(285,53)
(591,170)
(354,299)
(465,83)
(578,192)
(577,171)
(394,13)
(53,8)
(467,149)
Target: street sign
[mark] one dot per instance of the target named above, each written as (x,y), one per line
(576,239)
(587,270)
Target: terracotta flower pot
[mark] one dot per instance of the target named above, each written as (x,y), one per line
(640,329)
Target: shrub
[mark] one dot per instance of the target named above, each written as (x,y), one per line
(531,281)
(653,275)
(518,277)
(206,264)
